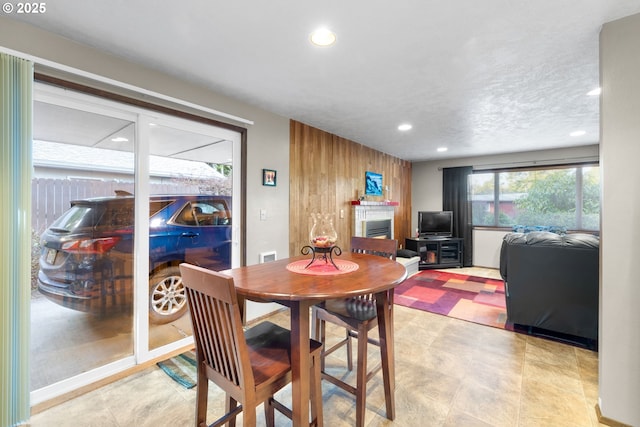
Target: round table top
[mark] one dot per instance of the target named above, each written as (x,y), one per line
(272,281)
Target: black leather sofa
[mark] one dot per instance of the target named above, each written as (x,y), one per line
(551,283)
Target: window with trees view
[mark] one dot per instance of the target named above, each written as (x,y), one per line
(561,197)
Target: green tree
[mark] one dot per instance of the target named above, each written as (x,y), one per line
(482,183)
(515,182)
(552,191)
(591,191)
(224,169)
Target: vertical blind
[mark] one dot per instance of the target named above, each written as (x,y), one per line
(16,105)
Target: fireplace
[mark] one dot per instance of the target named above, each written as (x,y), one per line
(373,219)
(377,228)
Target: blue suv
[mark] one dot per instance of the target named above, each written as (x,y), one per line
(87,257)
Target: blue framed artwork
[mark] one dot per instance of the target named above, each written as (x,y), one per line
(373,184)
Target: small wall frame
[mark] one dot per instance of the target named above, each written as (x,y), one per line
(269,177)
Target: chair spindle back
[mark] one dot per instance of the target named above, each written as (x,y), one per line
(217,326)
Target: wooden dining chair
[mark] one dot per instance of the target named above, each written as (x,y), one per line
(249,366)
(358,315)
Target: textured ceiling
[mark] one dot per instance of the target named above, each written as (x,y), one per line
(477,77)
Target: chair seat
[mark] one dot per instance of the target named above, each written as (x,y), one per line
(356,308)
(270,351)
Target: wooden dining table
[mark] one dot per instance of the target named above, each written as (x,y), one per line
(299,290)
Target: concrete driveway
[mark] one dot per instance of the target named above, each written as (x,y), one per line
(65,343)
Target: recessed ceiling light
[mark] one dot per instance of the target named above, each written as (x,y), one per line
(404,127)
(119,139)
(323,37)
(595,92)
(578,133)
(442,149)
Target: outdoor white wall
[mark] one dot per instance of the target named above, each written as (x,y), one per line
(426,188)
(619,356)
(267,138)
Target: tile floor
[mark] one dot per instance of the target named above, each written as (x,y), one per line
(449,372)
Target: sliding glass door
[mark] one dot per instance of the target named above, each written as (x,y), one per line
(121,196)
(190,165)
(81,308)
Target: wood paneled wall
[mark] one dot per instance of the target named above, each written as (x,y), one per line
(327,173)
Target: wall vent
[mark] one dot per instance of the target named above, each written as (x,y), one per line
(267,256)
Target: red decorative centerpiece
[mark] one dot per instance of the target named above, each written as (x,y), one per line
(323,238)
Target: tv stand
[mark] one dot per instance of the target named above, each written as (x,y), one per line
(436,252)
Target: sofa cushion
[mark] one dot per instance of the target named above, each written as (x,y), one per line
(546,238)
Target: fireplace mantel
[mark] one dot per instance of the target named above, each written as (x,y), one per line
(372,203)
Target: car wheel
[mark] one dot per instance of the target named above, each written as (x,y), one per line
(167,296)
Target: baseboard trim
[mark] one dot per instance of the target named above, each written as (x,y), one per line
(608,421)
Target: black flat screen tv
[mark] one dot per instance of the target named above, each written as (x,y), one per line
(435,224)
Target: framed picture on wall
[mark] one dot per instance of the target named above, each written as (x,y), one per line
(373,184)
(269,177)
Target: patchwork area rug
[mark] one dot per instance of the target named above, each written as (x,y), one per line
(471,298)
(181,368)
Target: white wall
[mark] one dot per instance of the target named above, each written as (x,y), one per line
(486,248)
(267,138)
(619,356)
(426,188)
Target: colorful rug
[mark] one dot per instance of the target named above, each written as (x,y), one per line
(471,298)
(181,369)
